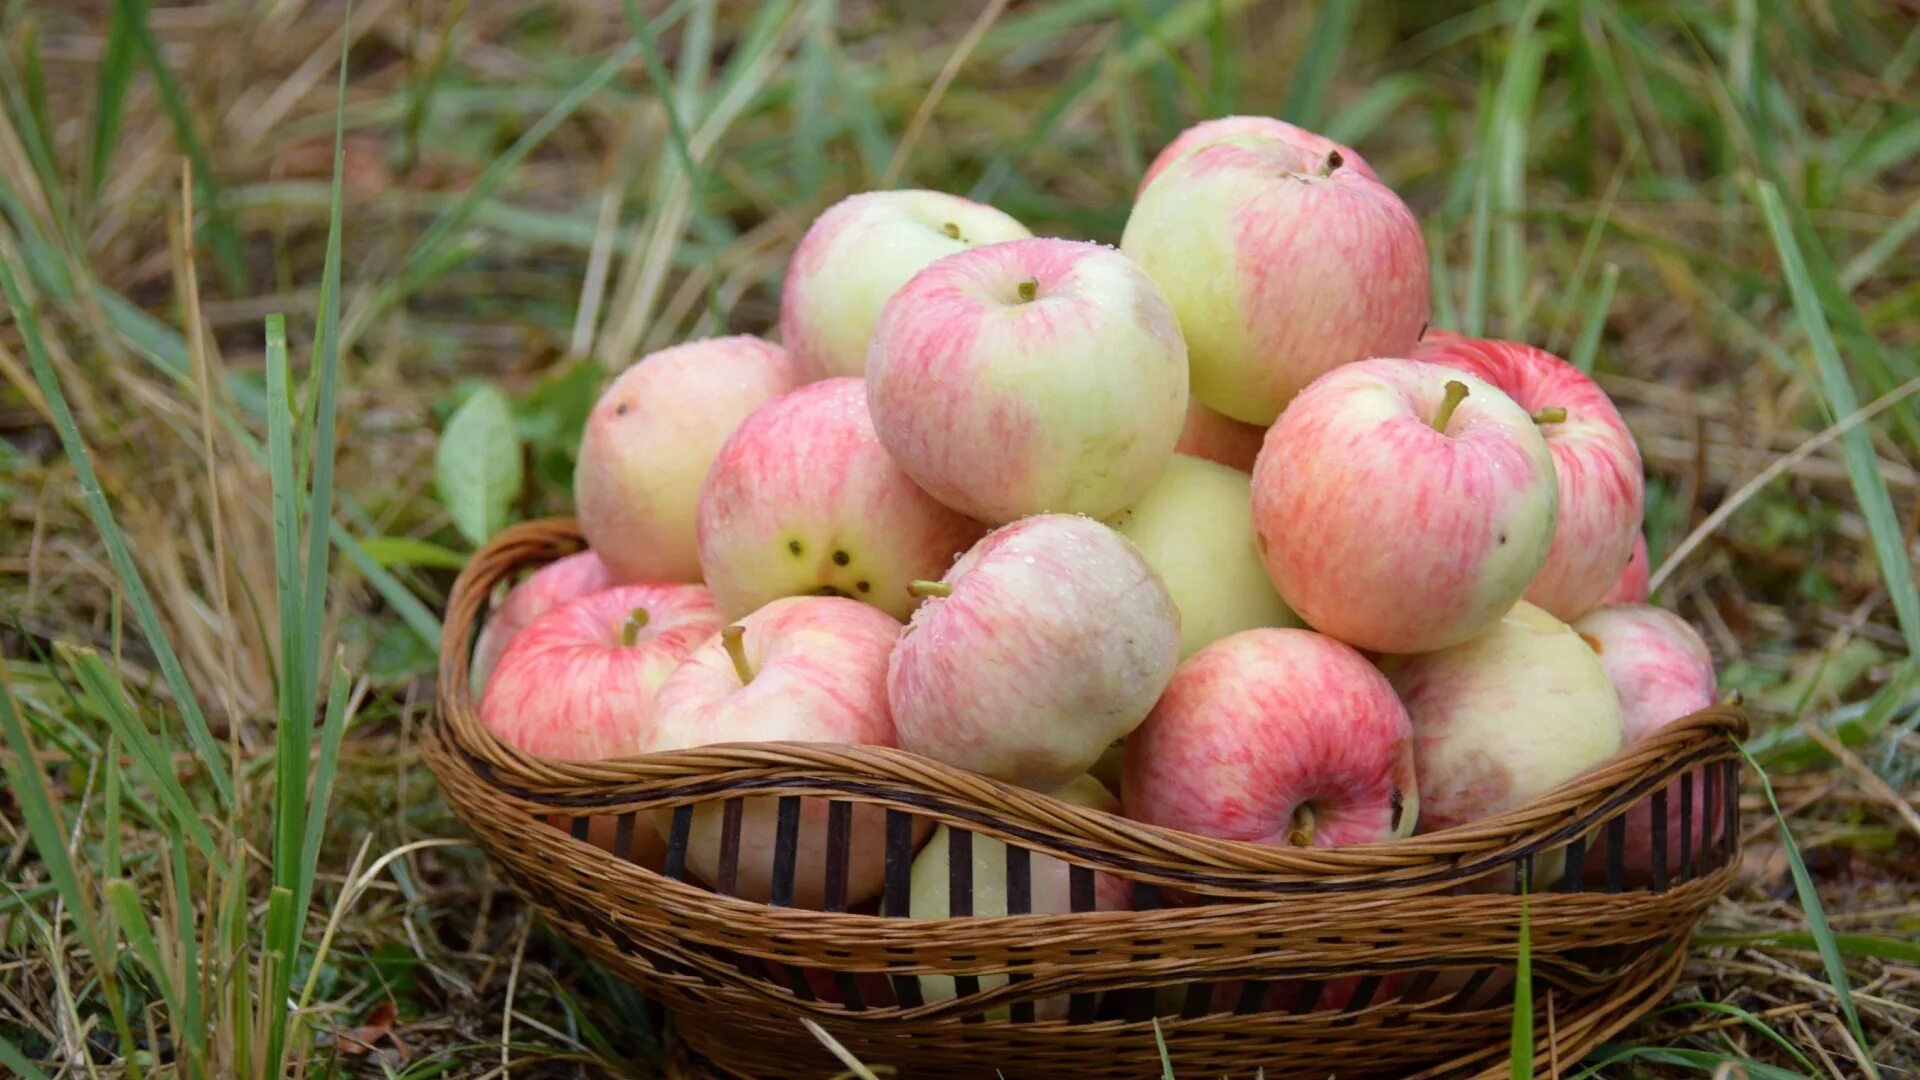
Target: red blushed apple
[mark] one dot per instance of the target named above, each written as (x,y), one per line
(803,499)
(1662,672)
(1402,506)
(649,443)
(1208,434)
(1281,263)
(1631,586)
(1211,131)
(1029,377)
(857,255)
(553,584)
(1047,641)
(802,669)
(1594,459)
(1280,737)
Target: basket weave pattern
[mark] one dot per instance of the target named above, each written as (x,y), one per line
(1391,959)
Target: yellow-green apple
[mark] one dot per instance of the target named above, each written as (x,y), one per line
(1631,586)
(1594,459)
(553,584)
(1210,131)
(801,669)
(1048,640)
(803,499)
(1049,889)
(857,254)
(1403,506)
(1282,264)
(1217,437)
(1281,737)
(650,440)
(1510,715)
(1037,376)
(1195,528)
(1661,671)
(579,682)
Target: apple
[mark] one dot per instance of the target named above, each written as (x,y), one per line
(1631,586)
(650,440)
(1048,640)
(553,584)
(1037,376)
(803,499)
(1402,506)
(801,669)
(1662,672)
(1281,737)
(1049,889)
(1505,717)
(1210,131)
(857,254)
(1282,263)
(1594,459)
(1211,435)
(1195,528)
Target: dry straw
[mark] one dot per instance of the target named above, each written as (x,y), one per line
(1392,959)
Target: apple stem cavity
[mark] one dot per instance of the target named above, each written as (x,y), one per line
(951,229)
(1554,415)
(920,590)
(1456,393)
(637,620)
(1029,289)
(1301,829)
(1334,161)
(734,638)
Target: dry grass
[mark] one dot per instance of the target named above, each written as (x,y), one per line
(1628,124)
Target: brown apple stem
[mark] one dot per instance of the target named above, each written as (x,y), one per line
(1029,289)
(1301,830)
(1334,161)
(1456,393)
(637,620)
(1555,415)
(734,638)
(920,590)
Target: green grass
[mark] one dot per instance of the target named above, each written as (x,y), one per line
(231,348)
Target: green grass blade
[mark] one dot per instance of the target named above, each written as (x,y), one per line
(1856,446)
(188,930)
(1885,246)
(1587,345)
(1160,1045)
(1320,59)
(116,72)
(294,692)
(1868,945)
(123,901)
(332,732)
(12,1058)
(111,797)
(1747,1018)
(1816,913)
(812,84)
(392,551)
(1520,1048)
(421,620)
(1701,1061)
(1512,120)
(132,586)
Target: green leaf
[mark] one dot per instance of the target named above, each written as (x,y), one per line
(477,467)
(1520,1049)
(1869,945)
(406,551)
(1588,344)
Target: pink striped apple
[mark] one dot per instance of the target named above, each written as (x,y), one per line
(1047,641)
(1038,376)
(650,440)
(1594,459)
(1631,586)
(1281,737)
(1211,131)
(1662,672)
(1510,715)
(857,255)
(1402,506)
(1281,263)
(578,682)
(552,585)
(803,499)
(1216,437)
(801,669)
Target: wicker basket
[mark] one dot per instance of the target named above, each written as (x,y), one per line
(1391,959)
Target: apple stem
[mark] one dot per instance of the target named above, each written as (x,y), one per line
(1334,161)
(951,229)
(920,590)
(1304,822)
(1029,289)
(1554,415)
(637,620)
(734,638)
(1456,393)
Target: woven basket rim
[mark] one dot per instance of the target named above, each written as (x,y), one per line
(777,766)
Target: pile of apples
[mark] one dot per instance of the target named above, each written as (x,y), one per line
(1210,530)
